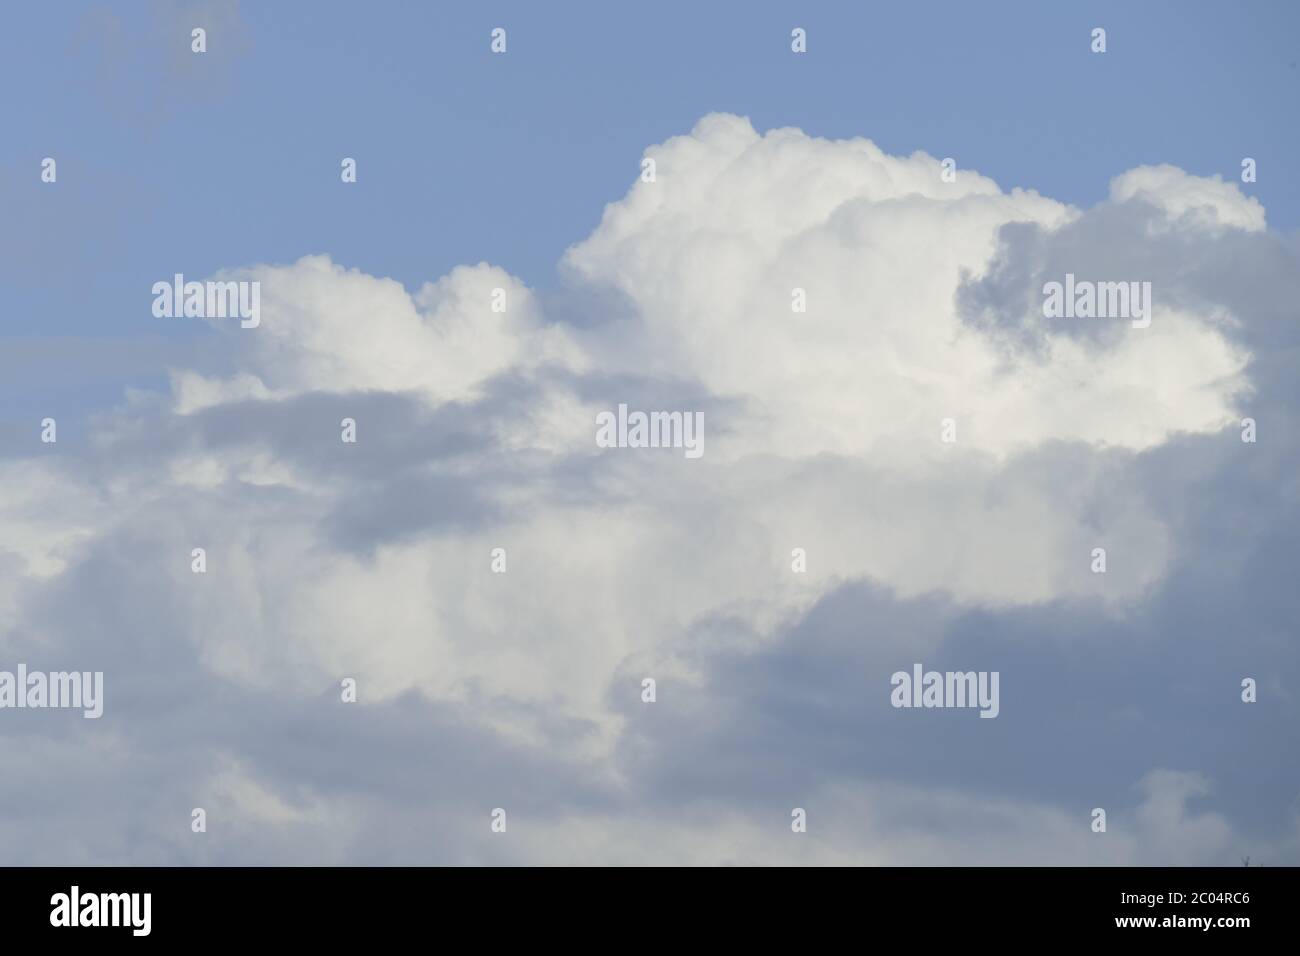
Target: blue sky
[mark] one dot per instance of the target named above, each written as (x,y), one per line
(1119,690)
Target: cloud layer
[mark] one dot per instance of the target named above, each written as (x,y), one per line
(522,690)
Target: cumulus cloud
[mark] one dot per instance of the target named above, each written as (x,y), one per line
(475,431)
(711,251)
(331,329)
(1178,195)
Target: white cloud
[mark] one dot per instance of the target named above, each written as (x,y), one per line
(833,444)
(327,328)
(825,436)
(1189,201)
(710,252)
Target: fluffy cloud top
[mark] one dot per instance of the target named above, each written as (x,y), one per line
(710,253)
